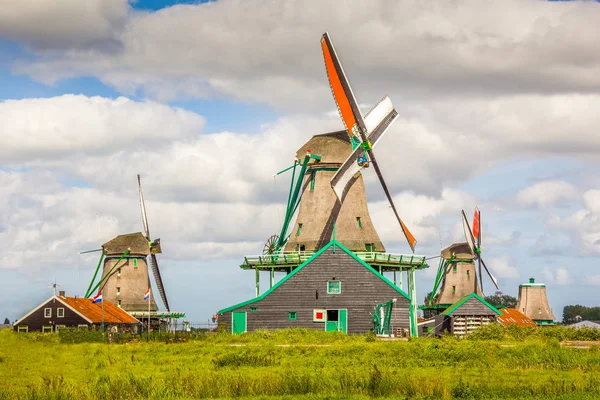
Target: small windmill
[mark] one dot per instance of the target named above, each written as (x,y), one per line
(458,274)
(125,276)
(474,241)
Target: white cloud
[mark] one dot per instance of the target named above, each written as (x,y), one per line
(58,127)
(558,276)
(547,193)
(501,267)
(268,51)
(48,24)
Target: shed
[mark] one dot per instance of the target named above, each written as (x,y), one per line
(466,315)
(333,290)
(512,316)
(586,324)
(74,312)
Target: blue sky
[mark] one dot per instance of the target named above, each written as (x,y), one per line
(209,101)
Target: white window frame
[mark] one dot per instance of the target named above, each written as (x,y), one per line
(58,327)
(340,283)
(23,328)
(81,326)
(47,326)
(60,312)
(47,312)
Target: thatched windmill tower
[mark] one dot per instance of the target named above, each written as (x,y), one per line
(125,277)
(320,208)
(533,302)
(460,271)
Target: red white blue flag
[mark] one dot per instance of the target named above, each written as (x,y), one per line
(97,298)
(147,294)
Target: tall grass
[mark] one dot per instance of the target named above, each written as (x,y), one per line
(495,364)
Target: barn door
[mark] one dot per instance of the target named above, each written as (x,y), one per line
(238,322)
(337,320)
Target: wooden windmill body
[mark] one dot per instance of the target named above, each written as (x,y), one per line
(533,302)
(320,211)
(461,276)
(126,284)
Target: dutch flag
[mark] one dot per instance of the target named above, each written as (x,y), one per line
(97,298)
(147,294)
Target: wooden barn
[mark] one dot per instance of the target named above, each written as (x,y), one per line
(334,290)
(73,312)
(461,318)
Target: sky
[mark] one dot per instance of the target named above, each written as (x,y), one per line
(497,106)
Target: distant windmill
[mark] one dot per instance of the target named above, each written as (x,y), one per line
(458,274)
(125,277)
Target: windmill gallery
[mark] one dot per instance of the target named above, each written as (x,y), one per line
(328,248)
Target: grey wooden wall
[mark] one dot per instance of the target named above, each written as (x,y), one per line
(361,291)
(473,307)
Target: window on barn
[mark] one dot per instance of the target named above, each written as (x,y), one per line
(47,329)
(60,312)
(253,309)
(23,328)
(59,327)
(47,313)
(82,326)
(292,315)
(370,247)
(334,287)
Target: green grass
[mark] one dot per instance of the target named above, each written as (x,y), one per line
(496,363)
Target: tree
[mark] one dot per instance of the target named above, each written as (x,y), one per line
(571,313)
(502,300)
(6,321)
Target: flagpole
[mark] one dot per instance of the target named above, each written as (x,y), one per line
(148,330)
(102,301)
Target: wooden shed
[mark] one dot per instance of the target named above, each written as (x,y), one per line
(466,315)
(74,312)
(334,290)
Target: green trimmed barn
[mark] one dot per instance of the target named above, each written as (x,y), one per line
(334,290)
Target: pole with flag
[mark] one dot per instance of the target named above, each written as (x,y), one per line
(98,299)
(147,297)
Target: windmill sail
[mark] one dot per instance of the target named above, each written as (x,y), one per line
(153,261)
(468,233)
(159,282)
(378,120)
(143,208)
(356,127)
(476,227)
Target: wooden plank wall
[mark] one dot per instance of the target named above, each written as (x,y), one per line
(361,291)
(36,320)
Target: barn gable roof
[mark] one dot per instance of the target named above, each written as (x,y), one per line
(335,244)
(91,312)
(466,298)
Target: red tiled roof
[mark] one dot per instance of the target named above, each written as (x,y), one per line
(511,316)
(93,311)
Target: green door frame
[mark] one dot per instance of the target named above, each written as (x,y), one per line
(342,323)
(233,323)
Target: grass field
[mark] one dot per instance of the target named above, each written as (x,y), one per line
(301,364)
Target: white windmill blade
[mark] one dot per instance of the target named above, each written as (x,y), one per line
(143,207)
(378,120)
(468,233)
(492,277)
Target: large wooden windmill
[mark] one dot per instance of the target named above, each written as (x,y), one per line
(327,199)
(329,191)
(125,276)
(460,271)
